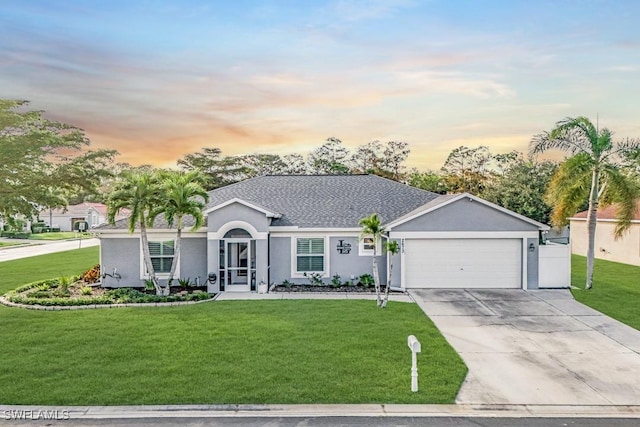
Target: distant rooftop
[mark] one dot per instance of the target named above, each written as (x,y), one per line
(610,212)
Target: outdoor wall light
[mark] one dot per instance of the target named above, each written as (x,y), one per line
(213,278)
(532,247)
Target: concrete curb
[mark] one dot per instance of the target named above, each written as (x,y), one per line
(336,410)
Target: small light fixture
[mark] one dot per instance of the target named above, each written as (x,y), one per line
(532,247)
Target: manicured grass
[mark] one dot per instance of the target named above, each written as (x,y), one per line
(22,271)
(615,292)
(293,351)
(296,351)
(62,235)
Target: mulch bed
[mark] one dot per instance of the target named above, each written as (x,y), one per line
(315,288)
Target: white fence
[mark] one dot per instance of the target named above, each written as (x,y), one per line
(554,266)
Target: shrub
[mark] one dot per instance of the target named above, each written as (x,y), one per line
(38,294)
(16,234)
(184,283)
(86,290)
(125,295)
(38,227)
(315,279)
(64,282)
(366,280)
(62,293)
(336,282)
(92,275)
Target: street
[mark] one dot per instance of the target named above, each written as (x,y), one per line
(334,421)
(44,247)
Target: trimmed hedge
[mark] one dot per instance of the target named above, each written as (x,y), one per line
(15,234)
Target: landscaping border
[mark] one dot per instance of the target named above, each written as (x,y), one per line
(8,303)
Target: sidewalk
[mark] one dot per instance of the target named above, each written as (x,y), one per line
(235,296)
(337,410)
(42,248)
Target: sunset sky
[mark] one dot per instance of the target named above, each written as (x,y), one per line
(158,79)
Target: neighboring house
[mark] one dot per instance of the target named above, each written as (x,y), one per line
(94,214)
(625,249)
(275,228)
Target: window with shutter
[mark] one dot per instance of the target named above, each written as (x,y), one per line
(310,255)
(161,255)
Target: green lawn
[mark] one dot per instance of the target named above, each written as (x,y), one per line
(295,351)
(62,235)
(615,292)
(22,271)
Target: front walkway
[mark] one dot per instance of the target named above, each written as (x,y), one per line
(536,347)
(231,296)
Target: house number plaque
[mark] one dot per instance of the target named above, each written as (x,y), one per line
(343,248)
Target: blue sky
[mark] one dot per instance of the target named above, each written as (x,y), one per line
(159,79)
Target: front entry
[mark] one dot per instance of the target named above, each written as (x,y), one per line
(237,265)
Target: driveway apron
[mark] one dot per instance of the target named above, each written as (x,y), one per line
(536,347)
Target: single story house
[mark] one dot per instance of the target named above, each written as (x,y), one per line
(69,218)
(275,228)
(625,249)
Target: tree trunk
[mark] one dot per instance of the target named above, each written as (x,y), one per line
(176,255)
(147,258)
(591,226)
(386,291)
(376,278)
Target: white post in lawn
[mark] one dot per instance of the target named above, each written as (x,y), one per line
(414,345)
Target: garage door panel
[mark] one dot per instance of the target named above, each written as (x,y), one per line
(463,263)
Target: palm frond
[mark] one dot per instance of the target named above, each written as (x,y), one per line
(371,226)
(545,141)
(569,188)
(571,135)
(622,191)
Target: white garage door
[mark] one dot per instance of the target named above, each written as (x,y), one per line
(463,263)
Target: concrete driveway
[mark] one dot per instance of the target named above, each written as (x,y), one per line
(536,347)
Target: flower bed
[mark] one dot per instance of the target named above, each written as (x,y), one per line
(71,291)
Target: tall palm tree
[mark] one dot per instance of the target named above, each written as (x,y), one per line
(140,194)
(592,174)
(372,227)
(391,247)
(184,196)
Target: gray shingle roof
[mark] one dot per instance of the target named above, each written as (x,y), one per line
(319,201)
(325,201)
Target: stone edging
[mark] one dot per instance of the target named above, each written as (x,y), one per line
(8,303)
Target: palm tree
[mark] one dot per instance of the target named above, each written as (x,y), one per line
(592,174)
(372,227)
(184,196)
(392,248)
(140,194)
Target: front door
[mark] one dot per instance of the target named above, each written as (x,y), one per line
(237,268)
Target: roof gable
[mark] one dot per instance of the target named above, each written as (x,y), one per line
(450,199)
(250,205)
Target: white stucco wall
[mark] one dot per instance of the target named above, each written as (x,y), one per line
(625,250)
